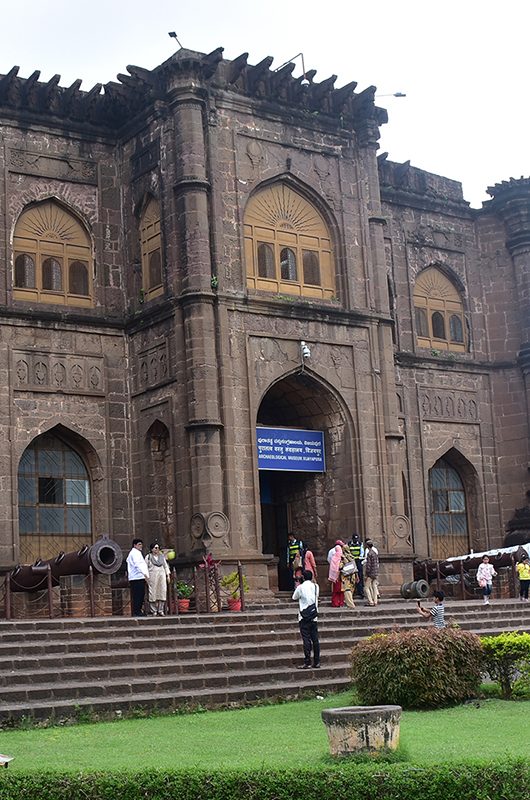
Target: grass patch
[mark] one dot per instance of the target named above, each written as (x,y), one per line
(266,737)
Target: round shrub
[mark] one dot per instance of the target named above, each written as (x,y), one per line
(418,669)
(507,658)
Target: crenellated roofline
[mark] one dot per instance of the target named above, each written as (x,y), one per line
(114,104)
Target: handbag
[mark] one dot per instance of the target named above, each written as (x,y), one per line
(310,613)
(349,569)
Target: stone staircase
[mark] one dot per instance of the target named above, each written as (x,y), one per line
(106,667)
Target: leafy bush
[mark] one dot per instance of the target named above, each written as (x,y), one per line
(418,669)
(506,656)
(491,780)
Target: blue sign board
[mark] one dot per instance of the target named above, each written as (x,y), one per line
(290,449)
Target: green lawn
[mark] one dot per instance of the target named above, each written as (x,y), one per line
(266,736)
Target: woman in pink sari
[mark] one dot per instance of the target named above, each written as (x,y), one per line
(337,595)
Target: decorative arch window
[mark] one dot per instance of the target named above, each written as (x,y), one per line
(287,245)
(54,503)
(52,257)
(152,281)
(438,312)
(448,511)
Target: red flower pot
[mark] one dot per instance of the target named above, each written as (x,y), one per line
(183,604)
(234,604)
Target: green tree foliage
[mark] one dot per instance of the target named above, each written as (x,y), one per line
(423,668)
(506,657)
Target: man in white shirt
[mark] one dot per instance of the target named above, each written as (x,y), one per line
(307,595)
(138,574)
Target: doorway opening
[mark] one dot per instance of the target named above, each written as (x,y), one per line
(315,506)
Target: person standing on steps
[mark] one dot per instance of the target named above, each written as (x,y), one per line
(348,573)
(523,572)
(138,575)
(356,546)
(307,596)
(309,561)
(485,575)
(295,555)
(334,576)
(371,572)
(158,579)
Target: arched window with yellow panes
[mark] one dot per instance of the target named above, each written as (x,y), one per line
(151,246)
(438,312)
(288,246)
(53,260)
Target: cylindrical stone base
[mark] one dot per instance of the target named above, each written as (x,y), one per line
(357,729)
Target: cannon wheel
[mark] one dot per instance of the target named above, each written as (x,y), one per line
(420,589)
(406,590)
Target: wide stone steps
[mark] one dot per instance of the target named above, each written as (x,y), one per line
(66,667)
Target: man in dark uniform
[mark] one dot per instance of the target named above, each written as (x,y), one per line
(295,554)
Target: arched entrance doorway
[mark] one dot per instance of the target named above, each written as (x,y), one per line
(317,506)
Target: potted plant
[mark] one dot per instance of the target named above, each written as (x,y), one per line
(231,582)
(184,592)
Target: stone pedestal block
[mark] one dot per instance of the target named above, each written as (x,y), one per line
(357,729)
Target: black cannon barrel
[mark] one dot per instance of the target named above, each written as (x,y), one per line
(422,569)
(105,556)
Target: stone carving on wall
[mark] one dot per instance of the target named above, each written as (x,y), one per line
(205,528)
(448,404)
(401,531)
(62,168)
(45,372)
(152,366)
(429,236)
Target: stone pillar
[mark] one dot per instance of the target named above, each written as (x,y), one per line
(204,425)
(396,529)
(511,201)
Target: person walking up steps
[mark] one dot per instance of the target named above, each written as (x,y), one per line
(485,575)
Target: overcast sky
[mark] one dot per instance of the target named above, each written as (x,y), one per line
(462,63)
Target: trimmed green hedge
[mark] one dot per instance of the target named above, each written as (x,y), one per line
(423,668)
(488,781)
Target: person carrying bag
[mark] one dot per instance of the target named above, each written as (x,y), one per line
(307,596)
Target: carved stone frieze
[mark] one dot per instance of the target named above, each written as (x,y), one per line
(46,372)
(152,366)
(448,404)
(62,168)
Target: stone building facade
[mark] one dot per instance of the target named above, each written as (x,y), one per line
(168,243)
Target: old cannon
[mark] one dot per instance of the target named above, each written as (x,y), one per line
(104,556)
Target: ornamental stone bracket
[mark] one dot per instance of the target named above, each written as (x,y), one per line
(209,530)
(49,372)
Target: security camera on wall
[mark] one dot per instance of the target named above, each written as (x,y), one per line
(306,352)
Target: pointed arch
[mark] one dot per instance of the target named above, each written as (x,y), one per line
(288,243)
(52,261)
(439,311)
(151,248)
(159,485)
(454,502)
(55,496)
